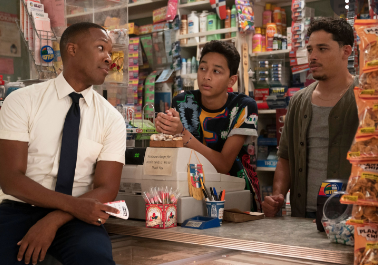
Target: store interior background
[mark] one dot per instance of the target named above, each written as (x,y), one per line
(22,65)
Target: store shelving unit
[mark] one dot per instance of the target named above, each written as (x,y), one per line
(278,2)
(271,53)
(266,169)
(267,111)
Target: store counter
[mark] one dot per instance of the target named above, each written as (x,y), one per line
(282,236)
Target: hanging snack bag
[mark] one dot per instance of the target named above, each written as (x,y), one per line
(366,244)
(367,30)
(367,114)
(362,186)
(362,214)
(369,83)
(363,149)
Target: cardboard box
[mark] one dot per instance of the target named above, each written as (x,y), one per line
(133,28)
(300,68)
(146,29)
(159,15)
(261,93)
(167,144)
(298,53)
(298,61)
(161,216)
(237,216)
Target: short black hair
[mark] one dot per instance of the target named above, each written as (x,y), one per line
(71,33)
(341,30)
(227,49)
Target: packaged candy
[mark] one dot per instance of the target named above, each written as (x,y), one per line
(369,83)
(366,244)
(367,30)
(172,10)
(362,186)
(362,214)
(340,233)
(367,114)
(245,15)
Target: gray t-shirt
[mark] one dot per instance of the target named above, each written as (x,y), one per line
(317,153)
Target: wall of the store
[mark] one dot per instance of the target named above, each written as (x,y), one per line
(21,64)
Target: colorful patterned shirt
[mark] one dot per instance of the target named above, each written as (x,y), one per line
(212,127)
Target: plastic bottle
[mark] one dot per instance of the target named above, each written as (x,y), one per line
(257,41)
(193,26)
(271,29)
(279,40)
(194,65)
(227,22)
(263,44)
(184,28)
(267,15)
(277,18)
(284,43)
(183,67)
(211,25)
(233,20)
(272,7)
(203,24)
(219,26)
(275,42)
(188,66)
(283,16)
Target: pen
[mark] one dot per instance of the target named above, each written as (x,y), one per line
(220,194)
(223,194)
(204,193)
(204,189)
(215,194)
(212,194)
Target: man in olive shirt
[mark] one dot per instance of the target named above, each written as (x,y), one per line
(320,123)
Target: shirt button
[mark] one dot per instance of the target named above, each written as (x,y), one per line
(299,195)
(305,116)
(301,143)
(300,170)
(336,117)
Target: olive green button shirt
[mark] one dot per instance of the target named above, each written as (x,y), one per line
(343,123)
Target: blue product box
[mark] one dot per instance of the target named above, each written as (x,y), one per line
(267,163)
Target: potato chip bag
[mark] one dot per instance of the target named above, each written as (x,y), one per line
(362,188)
(367,30)
(366,244)
(367,114)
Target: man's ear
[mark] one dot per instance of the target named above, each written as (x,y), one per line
(71,49)
(232,80)
(347,51)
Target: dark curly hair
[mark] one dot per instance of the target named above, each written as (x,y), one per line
(70,34)
(228,50)
(340,29)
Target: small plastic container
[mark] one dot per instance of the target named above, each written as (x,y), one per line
(215,209)
(334,220)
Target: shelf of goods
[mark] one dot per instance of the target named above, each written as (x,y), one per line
(267,111)
(271,53)
(206,33)
(270,169)
(279,2)
(200,43)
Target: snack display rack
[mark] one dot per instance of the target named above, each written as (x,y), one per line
(40,39)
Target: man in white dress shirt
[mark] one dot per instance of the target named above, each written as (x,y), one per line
(62,149)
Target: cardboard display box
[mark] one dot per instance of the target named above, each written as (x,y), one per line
(237,216)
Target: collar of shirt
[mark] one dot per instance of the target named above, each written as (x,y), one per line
(64,89)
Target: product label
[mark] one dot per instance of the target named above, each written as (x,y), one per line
(372,245)
(350,198)
(210,22)
(368,175)
(372,30)
(367,130)
(191,23)
(232,16)
(354,154)
(356,221)
(368,232)
(367,92)
(375,107)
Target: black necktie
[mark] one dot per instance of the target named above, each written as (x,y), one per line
(68,152)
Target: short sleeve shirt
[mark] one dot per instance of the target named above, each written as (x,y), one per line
(213,127)
(36,114)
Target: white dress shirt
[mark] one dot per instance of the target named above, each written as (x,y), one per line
(36,114)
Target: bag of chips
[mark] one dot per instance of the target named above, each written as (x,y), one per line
(366,244)
(367,114)
(362,186)
(367,30)
(362,214)
(364,148)
(369,83)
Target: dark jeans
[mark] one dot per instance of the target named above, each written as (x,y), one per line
(76,242)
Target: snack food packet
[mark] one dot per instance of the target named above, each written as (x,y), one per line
(362,214)
(363,149)
(367,30)
(362,188)
(366,244)
(369,83)
(367,114)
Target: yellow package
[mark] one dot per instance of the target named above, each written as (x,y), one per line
(362,188)
(366,244)
(367,30)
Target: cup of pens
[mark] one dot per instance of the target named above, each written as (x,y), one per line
(215,209)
